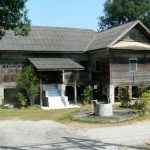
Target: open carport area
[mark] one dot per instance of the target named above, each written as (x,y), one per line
(22,135)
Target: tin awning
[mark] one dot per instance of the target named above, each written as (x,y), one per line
(54,64)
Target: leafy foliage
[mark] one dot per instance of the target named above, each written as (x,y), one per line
(124,97)
(87,93)
(13,15)
(143,103)
(22,100)
(142,88)
(28,80)
(146,100)
(118,12)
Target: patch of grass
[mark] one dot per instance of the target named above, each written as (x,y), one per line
(62,115)
(35,113)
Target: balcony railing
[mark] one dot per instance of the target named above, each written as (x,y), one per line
(100,76)
(80,76)
(83,76)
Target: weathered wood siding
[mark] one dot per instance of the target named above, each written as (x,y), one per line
(10,65)
(120,73)
(103,75)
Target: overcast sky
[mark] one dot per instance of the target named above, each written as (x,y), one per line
(65,13)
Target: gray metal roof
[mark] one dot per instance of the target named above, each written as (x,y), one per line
(51,39)
(57,39)
(109,37)
(47,64)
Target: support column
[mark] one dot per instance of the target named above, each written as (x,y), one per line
(41,92)
(63,76)
(62,87)
(75,88)
(1,95)
(130,91)
(112,94)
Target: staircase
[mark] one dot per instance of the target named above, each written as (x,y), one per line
(55,99)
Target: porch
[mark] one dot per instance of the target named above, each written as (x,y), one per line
(55,74)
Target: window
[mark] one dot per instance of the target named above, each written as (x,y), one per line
(84,64)
(133,64)
(97,66)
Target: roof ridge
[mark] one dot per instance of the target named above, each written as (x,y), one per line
(63,28)
(120,25)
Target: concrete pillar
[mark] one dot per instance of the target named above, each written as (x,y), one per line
(41,93)
(63,89)
(130,91)
(63,76)
(75,89)
(112,94)
(1,95)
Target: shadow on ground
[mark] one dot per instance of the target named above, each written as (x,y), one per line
(76,143)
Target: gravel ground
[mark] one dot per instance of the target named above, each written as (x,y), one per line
(22,135)
(118,115)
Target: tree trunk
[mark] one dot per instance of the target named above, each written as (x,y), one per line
(32,99)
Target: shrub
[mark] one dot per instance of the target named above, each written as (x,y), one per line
(21,100)
(141,89)
(142,104)
(29,81)
(87,93)
(123,96)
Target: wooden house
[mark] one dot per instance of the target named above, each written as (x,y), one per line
(68,59)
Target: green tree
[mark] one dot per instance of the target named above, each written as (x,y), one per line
(13,15)
(124,97)
(118,12)
(28,80)
(87,93)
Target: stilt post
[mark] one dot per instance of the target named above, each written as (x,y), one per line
(41,91)
(75,88)
(111,94)
(63,76)
(130,91)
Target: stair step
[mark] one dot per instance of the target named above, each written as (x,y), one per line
(54,97)
(53,92)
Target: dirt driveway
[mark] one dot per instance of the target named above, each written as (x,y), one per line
(50,135)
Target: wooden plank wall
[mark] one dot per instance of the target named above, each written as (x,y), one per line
(120,71)
(10,65)
(103,75)
(119,61)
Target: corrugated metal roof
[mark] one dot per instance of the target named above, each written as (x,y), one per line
(47,64)
(109,37)
(57,39)
(51,39)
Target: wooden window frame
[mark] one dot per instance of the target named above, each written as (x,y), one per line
(97,66)
(136,64)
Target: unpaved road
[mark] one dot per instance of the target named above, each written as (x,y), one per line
(50,135)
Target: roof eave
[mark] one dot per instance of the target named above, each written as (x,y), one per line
(61,69)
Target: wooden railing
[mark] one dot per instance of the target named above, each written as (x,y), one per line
(100,76)
(8,76)
(83,76)
(80,77)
